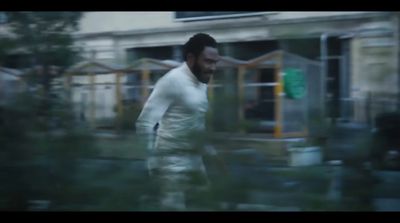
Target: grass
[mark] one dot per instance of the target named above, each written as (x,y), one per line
(117,185)
(123,148)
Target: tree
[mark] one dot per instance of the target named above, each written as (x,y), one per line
(46,38)
(5,45)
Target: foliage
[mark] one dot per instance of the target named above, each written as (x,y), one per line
(46,35)
(37,164)
(45,38)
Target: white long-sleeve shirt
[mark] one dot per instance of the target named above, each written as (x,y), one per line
(179,104)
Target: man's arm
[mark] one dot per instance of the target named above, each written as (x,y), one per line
(155,107)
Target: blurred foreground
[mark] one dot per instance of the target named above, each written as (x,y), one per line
(69,168)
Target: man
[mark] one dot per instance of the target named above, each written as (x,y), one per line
(179,104)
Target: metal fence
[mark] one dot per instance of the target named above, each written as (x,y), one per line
(366,109)
(306,113)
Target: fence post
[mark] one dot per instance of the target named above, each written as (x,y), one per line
(118,98)
(368,108)
(92,78)
(241,71)
(278,92)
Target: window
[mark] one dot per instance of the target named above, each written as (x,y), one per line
(193,16)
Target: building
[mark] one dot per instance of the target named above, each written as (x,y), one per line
(358,51)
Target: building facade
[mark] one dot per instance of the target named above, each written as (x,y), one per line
(358,51)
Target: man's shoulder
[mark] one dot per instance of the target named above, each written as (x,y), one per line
(172,75)
(170,82)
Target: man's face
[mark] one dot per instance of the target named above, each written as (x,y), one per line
(204,65)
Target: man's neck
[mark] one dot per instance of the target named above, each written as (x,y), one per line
(191,74)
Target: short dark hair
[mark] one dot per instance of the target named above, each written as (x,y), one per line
(197,43)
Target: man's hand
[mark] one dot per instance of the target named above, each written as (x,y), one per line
(213,154)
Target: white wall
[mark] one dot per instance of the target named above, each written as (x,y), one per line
(96,22)
(105,96)
(309,14)
(93,22)
(111,33)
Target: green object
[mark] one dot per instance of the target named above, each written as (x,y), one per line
(294,83)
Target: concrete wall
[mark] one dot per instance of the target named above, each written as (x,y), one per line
(128,21)
(124,21)
(374,45)
(123,30)
(374,69)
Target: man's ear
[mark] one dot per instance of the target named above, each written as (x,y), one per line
(190,60)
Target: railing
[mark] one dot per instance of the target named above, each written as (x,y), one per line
(365,109)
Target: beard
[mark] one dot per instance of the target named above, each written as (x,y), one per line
(200,74)
(197,71)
